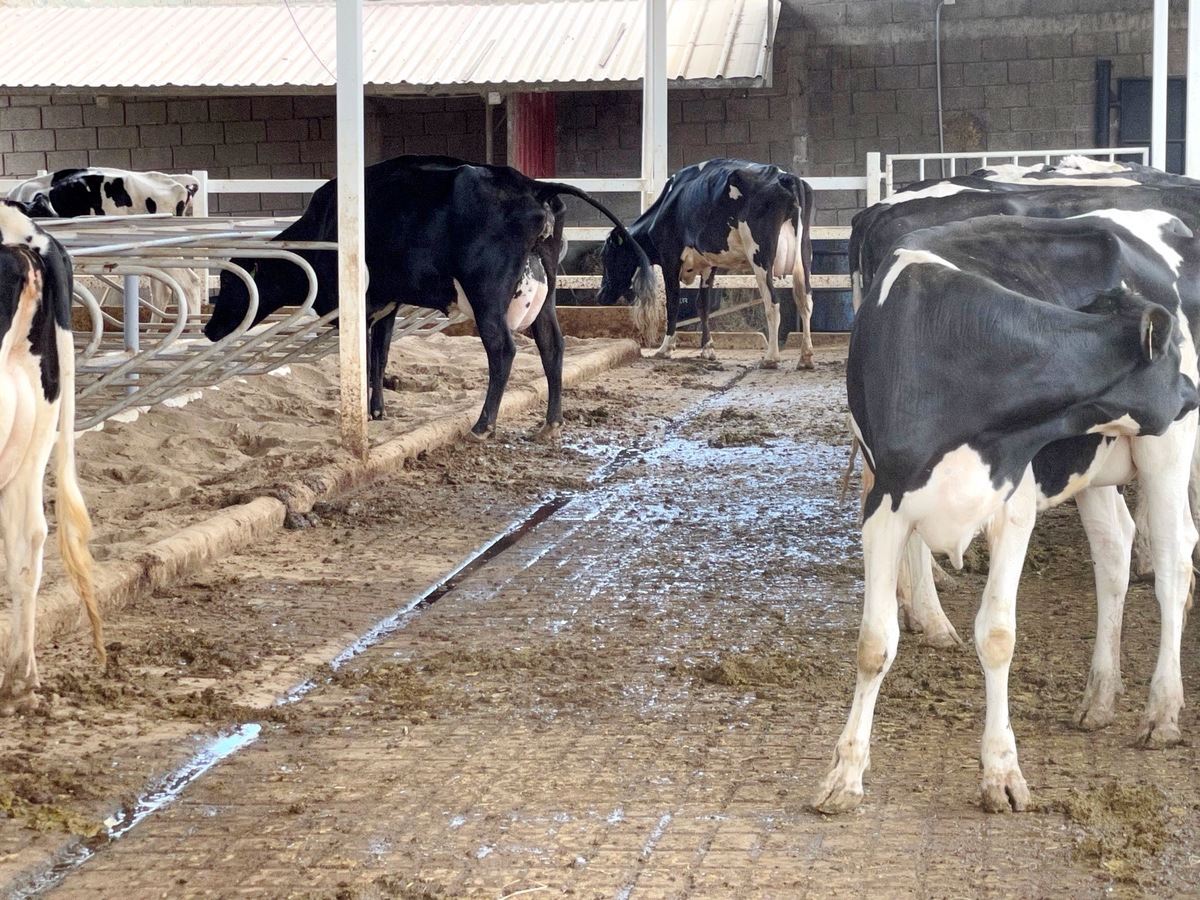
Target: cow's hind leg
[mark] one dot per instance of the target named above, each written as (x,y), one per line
(1003,786)
(498,344)
(671,291)
(24,523)
(1163,464)
(1109,530)
(703,306)
(920,609)
(380,345)
(884,534)
(549,339)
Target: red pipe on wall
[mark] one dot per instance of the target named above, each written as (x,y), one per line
(535,132)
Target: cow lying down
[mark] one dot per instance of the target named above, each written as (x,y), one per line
(982,391)
(440,234)
(37,396)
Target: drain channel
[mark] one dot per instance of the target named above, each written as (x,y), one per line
(227,743)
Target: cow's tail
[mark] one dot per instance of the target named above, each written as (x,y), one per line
(643,280)
(74,526)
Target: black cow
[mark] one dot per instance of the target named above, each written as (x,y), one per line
(977,404)
(723,214)
(37,396)
(439,232)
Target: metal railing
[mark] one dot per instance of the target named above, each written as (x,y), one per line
(965,163)
(148,352)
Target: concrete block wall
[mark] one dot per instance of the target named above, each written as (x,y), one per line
(231,137)
(855,76)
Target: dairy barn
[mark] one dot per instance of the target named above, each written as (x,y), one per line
(641,626)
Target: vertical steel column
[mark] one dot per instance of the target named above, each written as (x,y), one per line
(654,103)
(352,262)
(1192,138)
(130,321)
(1158,89)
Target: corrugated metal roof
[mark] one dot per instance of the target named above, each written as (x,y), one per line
(409,45)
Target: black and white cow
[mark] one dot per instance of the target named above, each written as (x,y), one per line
(97,191)
(70,193)
(439,233)
(37,397)
(997,367)
(723,214)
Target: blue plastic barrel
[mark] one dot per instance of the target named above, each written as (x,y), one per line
(833,310)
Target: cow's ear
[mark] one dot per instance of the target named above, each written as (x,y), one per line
(620,240)
(1157,331)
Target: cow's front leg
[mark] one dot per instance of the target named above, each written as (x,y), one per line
(920,609)
(549,339)
(884,535)
(24,540)
(1163,465)
(1003,786)
(500,349)
(1109,529)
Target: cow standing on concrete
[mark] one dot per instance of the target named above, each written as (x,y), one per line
(37,396)
(440,233)
(720,215)
(977,404)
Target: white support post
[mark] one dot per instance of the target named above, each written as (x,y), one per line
(1158,89)
(1191,165)
(875,175)
(352,262)
(200,201)
(654,103)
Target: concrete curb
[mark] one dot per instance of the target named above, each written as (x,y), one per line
(119,582)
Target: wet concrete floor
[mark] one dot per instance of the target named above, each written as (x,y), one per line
(638,699)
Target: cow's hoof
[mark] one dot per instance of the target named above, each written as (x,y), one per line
(769,364)
(376,415)
(805,363)
(661,354)
(708,353)
(478,437)
(548,433)
(1094,717)
(838,794)
(942,639)
(1097,708)
(842,789)
(17,697)
(1005,791)
(1158,736)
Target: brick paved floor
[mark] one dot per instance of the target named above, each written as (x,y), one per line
(638,699)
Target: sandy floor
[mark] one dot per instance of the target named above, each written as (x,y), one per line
(635,700)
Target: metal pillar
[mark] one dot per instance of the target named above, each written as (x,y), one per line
(352,261)
(1191,165)
(130,313)
(654,103)
(1158,90)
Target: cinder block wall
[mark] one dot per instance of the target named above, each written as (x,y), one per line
(231,137)
(856,76)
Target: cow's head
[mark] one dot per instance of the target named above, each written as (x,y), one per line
(233,300)
(36,207)
(620,259)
